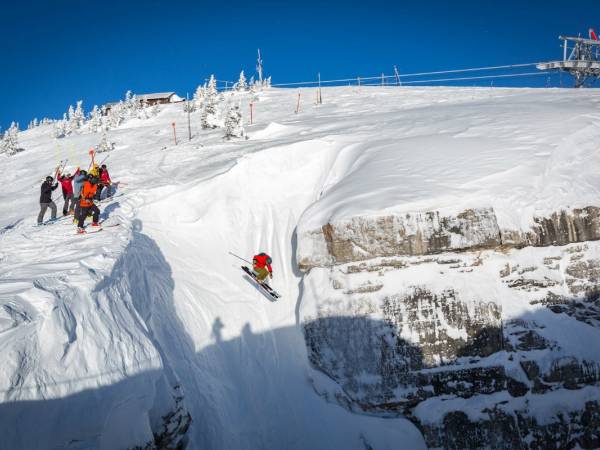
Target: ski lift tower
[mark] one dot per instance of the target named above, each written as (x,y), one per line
(583,63)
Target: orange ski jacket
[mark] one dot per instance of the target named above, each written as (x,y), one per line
(87,194)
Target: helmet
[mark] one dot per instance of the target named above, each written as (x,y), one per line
(68,174)
(94,180)
(49,179)
(104,166)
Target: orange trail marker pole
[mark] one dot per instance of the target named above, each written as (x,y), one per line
(298,103)
(174,134)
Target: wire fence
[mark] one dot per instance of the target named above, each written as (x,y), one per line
(507,71)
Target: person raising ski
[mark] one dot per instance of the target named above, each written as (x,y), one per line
(261,265)
(87,204)
(80,177)
(67,191)
(46,200)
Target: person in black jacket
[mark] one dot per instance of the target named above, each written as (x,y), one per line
(46,200)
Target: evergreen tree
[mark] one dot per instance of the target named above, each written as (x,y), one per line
(105,145)
(10,141)
(78,118)
(61,128)
(154,110)
(199,96)
(131,104)
(209,117)
(71,118)
(234,127)
(116,115)
(241,85)
(95,121)
(211,90)
(204,115)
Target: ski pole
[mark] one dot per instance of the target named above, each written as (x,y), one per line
(102,162)
(239,257)
(91,153)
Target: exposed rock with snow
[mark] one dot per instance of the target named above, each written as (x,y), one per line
(361,238)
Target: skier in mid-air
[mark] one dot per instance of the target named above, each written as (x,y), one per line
(261,266)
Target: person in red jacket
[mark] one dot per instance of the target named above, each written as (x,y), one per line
(105,181)
(66,182)
(261,265)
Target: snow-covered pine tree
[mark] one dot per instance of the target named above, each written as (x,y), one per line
(211,89)
(9,144)
(36,123)
(241,85)
(209,117)
(105,145)
(154,110)
(189,106)
(199,96)
(132,105)
(95,120)
(78,118)
(116,114)
(204,115)
(72,125)
(61,127)
(143,109)
(234,127)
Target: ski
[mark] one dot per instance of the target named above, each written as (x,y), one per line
(49,222)
(91,230)
(264,286)
(112,197)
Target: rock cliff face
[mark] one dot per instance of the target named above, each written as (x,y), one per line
(361,238)
(489,347)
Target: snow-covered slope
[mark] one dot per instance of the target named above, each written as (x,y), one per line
(111,337)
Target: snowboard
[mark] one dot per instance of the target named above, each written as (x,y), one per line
(264,286)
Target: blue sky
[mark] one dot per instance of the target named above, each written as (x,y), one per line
(57,52)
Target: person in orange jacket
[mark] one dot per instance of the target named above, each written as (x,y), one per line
(87,205)
(261,265)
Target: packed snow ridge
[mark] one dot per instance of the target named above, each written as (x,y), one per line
(431,247)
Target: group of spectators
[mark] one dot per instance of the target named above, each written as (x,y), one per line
(81,191)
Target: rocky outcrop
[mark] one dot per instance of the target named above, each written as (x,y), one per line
(414,335)
(561,228)
(468,330)
(361,238)
(519,429)
(365,237)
